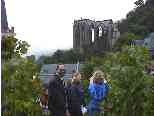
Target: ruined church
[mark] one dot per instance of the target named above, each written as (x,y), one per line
(94,36)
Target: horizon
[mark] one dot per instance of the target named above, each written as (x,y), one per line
(49,24)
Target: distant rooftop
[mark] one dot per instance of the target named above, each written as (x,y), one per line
(48,71)
(138,42)
(51,68)
(147,42)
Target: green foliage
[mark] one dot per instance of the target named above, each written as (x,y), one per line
(89,67)
(86,94)
(31,58)
(139,20)
(12,47)
(57,56)
(64,56)
(149,105)
(125,39)
(87,70)
(8,47)
(130,87)
(21,48)
(20,90)
(139,3)
(72,56)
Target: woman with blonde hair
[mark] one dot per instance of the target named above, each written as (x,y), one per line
(98,89)
(96,74)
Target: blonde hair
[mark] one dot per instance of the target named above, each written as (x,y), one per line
(98,75)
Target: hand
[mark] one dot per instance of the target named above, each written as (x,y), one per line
(67,113)
(105,81)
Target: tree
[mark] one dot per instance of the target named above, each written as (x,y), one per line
(73,56)
(130,92)
(31,58)
(19,87)
(130,85)
(12,47)
(64,56)
(125,39)
(139,20)
(139,3)
(123,26)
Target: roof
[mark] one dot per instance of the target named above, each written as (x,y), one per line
(48,70)
(51,68)
(138,42)
(147,42)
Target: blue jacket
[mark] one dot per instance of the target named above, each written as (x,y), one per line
(98,92)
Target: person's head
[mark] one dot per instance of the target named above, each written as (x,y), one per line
(98,77)
(76,78)
(60,69)
(44,91)
(68,83)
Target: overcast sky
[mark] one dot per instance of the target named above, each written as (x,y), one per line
(48,24)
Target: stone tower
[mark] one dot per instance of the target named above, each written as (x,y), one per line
(4,22)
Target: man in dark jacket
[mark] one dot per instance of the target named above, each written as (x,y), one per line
(57,101)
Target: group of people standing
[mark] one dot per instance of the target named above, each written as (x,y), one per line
(67,99)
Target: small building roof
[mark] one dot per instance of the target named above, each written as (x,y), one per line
(138,42)
(51,68)
(147,42)
(48,71)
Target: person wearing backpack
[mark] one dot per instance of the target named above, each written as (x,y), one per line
(98,89)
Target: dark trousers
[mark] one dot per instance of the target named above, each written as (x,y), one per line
(58,113)
(75,111)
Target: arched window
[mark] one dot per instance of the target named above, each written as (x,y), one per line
(92,35)
(100,31)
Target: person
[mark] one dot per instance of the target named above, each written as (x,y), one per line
(56,93)
(75,95)
(44,99)
(77,77)
(67,93)
(98,89)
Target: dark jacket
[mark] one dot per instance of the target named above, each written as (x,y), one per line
(74,100)
(81,92)
(57,101)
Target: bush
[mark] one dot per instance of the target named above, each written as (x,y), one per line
(130,91)
(19,89)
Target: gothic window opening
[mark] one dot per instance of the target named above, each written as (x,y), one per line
(100,31)
(92,30)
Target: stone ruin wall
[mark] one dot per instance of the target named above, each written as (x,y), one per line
(96,36)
